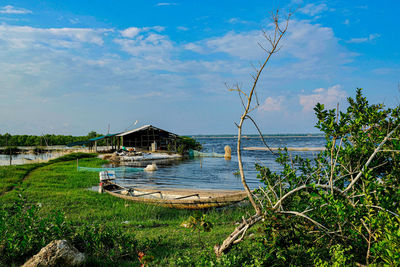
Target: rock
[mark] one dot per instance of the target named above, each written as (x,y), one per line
(57,253)
(151,168)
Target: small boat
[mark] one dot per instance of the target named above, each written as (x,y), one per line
(175,198)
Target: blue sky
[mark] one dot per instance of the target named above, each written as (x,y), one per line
(69,67)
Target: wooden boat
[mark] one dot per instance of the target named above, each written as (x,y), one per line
(176,198)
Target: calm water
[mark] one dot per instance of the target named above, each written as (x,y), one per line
(28,158)
(217,173)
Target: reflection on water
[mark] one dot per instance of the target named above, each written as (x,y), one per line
(216,173)
(28,158)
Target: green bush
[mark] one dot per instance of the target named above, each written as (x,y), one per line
(183,144)
(24,230)
(340,208)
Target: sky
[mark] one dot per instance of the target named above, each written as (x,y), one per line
(71,67)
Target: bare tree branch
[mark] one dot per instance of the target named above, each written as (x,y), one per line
(260,133)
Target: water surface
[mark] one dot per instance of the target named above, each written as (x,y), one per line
(217,173)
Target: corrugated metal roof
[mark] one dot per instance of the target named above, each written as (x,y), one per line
(141,129)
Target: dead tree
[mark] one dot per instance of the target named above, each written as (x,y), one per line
(246,99)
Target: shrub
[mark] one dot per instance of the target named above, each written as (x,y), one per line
(24,230)
(343,204)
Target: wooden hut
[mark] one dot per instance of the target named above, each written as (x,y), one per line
(147,137)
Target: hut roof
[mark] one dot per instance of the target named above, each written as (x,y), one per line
(145,127)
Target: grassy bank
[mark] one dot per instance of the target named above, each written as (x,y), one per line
(57,187)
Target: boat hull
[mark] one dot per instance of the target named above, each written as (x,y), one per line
(181,199)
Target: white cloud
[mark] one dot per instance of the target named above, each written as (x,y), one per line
(308,50)
(241,45)
(182,28)
(130,32)
(296,2)
(166,4)
(329,97)
(26,36)
(194,47)
(314,9)
(346,22)
(149,45)
(14,10)
(74,20)
(272,104)
(154,28)
(363,39)
(237,21)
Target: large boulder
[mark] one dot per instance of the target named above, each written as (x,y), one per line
(57,253)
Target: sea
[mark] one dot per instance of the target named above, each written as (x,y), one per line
(216,172)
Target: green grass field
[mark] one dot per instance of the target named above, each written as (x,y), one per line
(58,186)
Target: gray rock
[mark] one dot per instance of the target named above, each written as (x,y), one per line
(57,253)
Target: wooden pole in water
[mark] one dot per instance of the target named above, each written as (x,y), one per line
(228,152)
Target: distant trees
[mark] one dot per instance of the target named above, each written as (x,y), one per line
(42,140)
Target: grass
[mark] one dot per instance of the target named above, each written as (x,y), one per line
(58,186)
(12,176)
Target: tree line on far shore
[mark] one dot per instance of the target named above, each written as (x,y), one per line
(43,140)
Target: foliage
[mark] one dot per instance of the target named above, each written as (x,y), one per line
(183,144)
(43,140)
(199,222)
(103,241)
(342,205)
(24,231)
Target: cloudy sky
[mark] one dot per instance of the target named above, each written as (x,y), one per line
(69,67)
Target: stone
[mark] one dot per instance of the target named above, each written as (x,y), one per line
(56,253)
(151,168)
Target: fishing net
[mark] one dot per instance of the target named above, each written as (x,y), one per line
(116,169)
(197,154)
